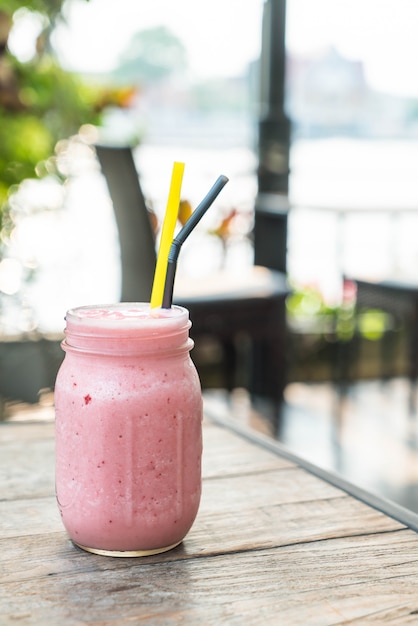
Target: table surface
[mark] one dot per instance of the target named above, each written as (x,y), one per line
(254,282)
(398,283)
(276,541)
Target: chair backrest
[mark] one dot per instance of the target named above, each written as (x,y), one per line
(136,236)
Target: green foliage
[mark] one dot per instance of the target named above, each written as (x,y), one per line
(307,309)
(60,99)
(373,323)
(54,105)
(51,9)
(24,142)
(40,103)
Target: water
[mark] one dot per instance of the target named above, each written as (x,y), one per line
(354,210)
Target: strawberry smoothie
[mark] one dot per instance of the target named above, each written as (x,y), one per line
(128,429)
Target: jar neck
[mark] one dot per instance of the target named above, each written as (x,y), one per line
(127,329)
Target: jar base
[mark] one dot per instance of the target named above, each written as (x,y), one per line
(127,553)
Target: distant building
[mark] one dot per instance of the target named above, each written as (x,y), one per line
(328,94)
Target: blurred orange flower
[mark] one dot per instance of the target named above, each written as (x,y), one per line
(185,211)
(223,231)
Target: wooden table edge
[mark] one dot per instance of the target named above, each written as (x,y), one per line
(393,510)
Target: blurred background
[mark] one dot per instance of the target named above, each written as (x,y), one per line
(182,82)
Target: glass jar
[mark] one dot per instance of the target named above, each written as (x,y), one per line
(128,429)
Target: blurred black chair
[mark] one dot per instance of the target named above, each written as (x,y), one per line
(136,236)
(398,299)
(251,309)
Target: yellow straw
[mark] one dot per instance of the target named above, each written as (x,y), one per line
(167,235)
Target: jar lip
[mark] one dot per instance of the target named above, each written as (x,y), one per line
(126,315)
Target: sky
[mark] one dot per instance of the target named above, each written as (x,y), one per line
(223,36)
(220,37)
(381,33)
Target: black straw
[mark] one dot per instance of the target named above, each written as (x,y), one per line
(194,219)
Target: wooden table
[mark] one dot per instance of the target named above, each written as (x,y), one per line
(276,541)
(237,307)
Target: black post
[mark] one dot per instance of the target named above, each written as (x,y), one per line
(271,208)
(274,125)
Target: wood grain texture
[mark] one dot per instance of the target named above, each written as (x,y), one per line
(272,544)
(323,582)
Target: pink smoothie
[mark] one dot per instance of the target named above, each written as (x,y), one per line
(128,429)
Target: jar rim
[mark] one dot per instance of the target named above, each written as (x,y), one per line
(127,328)
(126,315)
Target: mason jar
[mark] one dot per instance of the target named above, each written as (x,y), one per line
(128,425)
